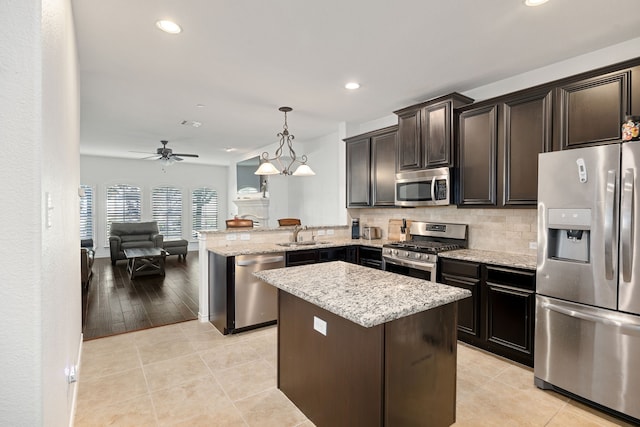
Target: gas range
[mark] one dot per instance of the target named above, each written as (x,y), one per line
(421,251)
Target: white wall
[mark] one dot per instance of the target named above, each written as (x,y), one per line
(315,199)
(40,292)
(102,172)
(569,67)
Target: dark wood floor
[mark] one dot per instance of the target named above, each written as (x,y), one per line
(117,304)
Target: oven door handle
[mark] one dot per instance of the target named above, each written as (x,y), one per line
(425,266)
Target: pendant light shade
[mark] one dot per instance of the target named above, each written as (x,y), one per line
(267,167)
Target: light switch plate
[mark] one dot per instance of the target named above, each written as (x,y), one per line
(232,236)
(321,232)
(320,325)
(533,245)
(330,232)
(245,236)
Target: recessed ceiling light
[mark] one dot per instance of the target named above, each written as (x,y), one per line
(535,2)
(200,105)
(352,85)
(229,149)
(169,27)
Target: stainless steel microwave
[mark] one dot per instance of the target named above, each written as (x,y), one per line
(429,187)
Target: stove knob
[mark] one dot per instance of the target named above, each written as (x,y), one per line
(418,256)
(395,251)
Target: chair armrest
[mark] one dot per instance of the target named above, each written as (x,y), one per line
(158,240)
(114,246)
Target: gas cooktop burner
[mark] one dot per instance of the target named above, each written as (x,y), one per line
(424,246)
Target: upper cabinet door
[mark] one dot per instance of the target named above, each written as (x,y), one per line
(409,145)
(383,168)
(477,156)
(591,111)
(527,132)
(436,131)
(426,133)
(358,173)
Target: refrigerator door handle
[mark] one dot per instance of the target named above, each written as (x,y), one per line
(626,225)
(608,224)
(628,329)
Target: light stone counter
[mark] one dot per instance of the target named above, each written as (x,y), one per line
(506,259)
(264,248)
(363,295)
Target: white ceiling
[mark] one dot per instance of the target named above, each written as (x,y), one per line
(243,59)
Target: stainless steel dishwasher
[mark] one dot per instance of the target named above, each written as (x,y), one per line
(237,299)
(256,302)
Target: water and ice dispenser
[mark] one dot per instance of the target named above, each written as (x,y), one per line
(569,234)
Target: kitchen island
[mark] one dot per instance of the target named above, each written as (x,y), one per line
(363,347)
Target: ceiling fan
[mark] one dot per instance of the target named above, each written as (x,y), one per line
(166,155)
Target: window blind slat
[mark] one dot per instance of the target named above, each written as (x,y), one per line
(204,210)
(167,211)
(86,213)
(123,204)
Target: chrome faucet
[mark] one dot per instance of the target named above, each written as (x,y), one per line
(297,229)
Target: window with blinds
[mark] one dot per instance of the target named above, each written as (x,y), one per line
(86,213)
(166,206)
(123,204)
(204,210)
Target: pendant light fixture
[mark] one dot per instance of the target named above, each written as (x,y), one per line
(267,168)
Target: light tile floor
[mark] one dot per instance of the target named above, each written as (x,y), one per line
(188,374)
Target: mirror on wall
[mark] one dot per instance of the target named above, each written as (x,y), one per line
(248,182)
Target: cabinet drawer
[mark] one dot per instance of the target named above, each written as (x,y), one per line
(460,268)
(521,279)
(302,257)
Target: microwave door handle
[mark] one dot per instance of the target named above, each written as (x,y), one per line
(626,225)
(610,192)
(433,189)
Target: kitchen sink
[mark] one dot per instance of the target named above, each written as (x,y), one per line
(296,244)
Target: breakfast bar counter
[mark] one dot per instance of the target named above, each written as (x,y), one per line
(363,347)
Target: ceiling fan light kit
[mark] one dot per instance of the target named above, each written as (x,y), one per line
(267,168)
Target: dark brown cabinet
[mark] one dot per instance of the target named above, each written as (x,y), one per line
(371,168)
(465,275)
(500,315)
(527,132)
(426,133)
(591,111)
(478,151)
(499,147)
(510,312)
(358,172)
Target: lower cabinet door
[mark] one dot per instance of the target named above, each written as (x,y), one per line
(468,308)
(509,321)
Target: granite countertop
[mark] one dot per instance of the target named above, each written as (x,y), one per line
(268,229)
(264,248)
(360,294)
(506,259)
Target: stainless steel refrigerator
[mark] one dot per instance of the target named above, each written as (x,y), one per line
(587,339)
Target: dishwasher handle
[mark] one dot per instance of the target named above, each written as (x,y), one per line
(271,260)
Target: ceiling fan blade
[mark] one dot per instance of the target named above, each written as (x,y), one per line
(148,157)
(185,155)
(174,157)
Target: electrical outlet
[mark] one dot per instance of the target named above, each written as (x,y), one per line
(330,232)
(320,325)
(533,245)
(71,373)
(245,236)
(232,236)
(320,232)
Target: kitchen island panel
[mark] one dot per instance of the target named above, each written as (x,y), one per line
(335,379)
(400,373)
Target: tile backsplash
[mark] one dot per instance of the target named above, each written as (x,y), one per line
(506,230)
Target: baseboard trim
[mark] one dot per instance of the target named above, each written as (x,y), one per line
(74,399)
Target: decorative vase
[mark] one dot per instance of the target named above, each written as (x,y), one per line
(631,128)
